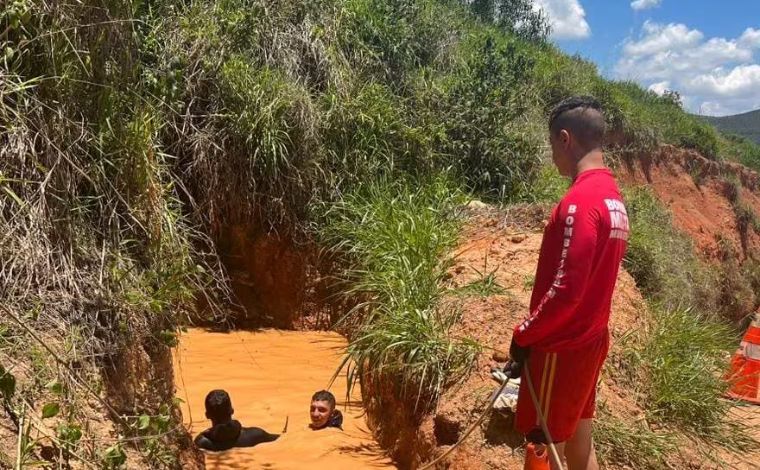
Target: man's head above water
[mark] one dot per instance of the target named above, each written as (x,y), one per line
(576,129)
(218,406)
(322,409)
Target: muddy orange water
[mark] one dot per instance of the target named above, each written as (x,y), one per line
(271,375)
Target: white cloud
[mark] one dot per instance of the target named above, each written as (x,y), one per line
(657,38)
(567,18)
(660,87)
(750,38)
(645,4)
(715,75)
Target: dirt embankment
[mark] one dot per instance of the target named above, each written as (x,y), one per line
(697,192)
(506,245)
(273,275)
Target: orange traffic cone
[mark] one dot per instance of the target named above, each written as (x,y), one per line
(744,376)
(536,457)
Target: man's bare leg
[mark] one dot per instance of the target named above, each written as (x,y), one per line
(561,452)
(579,450)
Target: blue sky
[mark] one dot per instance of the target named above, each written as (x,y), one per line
(708,50)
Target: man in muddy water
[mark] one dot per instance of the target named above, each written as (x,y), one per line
(563,342)
(323,413)
(225,432)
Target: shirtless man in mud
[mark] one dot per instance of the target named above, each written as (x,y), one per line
(563,341)
(225,432)
(323,413)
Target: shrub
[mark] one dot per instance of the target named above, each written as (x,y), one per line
(746,219)
(483,101)
(548,186)
(737,297)
(751,272)
(397,239)
(519,17)
(732,190)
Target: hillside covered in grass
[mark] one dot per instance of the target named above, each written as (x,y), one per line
(133,134)
(746,125)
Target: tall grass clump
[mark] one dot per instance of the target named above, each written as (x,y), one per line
(631,443)
(685,355)
(99,261)
(396,240)
(681,371)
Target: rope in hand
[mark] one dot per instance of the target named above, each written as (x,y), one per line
(552,448)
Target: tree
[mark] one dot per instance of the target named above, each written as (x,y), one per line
(519,17)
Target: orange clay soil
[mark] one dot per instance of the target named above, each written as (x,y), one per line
(701,211)
(271,375)
(492,241)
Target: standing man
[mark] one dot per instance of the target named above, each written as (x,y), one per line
(564,340)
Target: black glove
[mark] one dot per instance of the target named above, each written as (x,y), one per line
(512,369)
(518,353)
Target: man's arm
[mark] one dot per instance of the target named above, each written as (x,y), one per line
(203,441)
(579,226)
(250,437)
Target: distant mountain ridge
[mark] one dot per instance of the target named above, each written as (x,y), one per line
(746,124)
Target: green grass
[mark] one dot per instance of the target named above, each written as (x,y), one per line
(685,357)
(634,443)
(678,370)
(741,150)
(548,186)
(674,368)
(661,259)
(397,241)
(485,286)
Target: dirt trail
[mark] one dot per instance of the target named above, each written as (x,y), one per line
(272,374)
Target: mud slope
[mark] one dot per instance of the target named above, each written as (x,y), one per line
(695,189)
(494,242)
(507,244)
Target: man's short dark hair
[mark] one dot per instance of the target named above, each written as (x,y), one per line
(324,395)
(583,117)
(218,405)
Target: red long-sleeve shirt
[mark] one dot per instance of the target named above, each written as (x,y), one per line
(580,257)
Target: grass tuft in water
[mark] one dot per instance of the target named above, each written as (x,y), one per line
(397,239)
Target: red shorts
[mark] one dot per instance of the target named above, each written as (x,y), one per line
(565,385)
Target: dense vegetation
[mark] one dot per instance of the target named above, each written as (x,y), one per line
(132,131)
(675,364)
(400,239)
